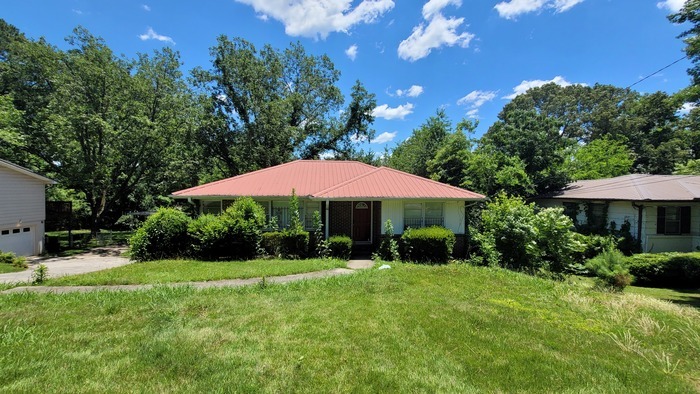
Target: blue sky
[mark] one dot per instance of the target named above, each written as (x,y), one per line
(468,57)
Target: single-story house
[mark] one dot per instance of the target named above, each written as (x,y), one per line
(663,210)
(22,209)
(354,198)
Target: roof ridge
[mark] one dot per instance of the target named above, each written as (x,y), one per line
(341,184)
(235,176)
(432,181)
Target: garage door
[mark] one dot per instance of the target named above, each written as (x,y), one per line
(17,240)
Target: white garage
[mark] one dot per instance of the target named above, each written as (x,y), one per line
(22,209)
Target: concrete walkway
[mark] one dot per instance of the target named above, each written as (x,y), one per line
(96,260)
(197,285)
(360,264)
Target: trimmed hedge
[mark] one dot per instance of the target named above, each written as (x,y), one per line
(340,246)
(163,235)
(294,244)
(272,243)
(674,270)
(428,245)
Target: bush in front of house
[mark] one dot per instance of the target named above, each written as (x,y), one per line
(610,267)
(432,245)
(207,237)
(340,246)
(389,247)
(516,235)
(243,221)
(163,235)
(674,270)
(12,259)
(294,244)
(271,243)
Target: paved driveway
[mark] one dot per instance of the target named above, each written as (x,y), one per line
(96,260)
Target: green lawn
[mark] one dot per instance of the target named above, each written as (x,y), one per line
(679,296)
(6,268)
(168,271)
(408,329)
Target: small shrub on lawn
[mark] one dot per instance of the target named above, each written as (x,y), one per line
(163,235)
(14,260)
(611,269)
(428,245)
(674,270)
(40,274)
(340,246)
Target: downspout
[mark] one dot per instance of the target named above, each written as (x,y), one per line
(328,204)
(640,209)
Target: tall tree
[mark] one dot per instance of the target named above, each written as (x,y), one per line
(602,158)
(536,140)
(413,154)
(266,107)
(451,160)
(690,13)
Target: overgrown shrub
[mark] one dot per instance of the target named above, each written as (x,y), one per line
(611,269)
(318,245)
(674,270)
(272,243)
(243,221)
(14,260)
(340,246)
(515,235)
(163,235)
(389,247)
(208,236)
(294,244)
(428,245)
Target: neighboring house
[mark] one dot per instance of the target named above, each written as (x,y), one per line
(663,210)
(22,209)
(354,199)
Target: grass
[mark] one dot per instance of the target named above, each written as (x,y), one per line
(168,271)
(680,296)
(82,242)
(408,329)
(7,268)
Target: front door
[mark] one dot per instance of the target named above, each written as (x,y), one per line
(361,221)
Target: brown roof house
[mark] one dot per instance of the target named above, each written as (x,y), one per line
(354,199)
(663,210)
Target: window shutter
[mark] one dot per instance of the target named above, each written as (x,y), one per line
(660,220)
(685,220)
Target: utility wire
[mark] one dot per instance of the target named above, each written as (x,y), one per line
(658,71)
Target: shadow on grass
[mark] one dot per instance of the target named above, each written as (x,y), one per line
(690,297)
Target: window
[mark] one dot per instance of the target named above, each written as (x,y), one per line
(596,216)
(571,210)
(5,232)
(212,207)
(15,231)
(672,220)
(309,208)
(26,229)
(280,211)
(417,215)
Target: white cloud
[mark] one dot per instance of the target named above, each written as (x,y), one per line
(384,137)
(358,138)
(413,91)
(477,98)
(388,113)
(77,12)
(439,31)
(262,17)
(152,35)
(352,52)
(511,9)
(145,7)
(327,155)
(319,18)
(671,5)
(473,113)
(686,108)
(524,86)
(434,7)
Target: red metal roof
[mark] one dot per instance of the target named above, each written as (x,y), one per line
(328,179)
(635,187)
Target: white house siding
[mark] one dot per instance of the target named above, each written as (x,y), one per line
(619,211)
(22,205)
(453,214)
